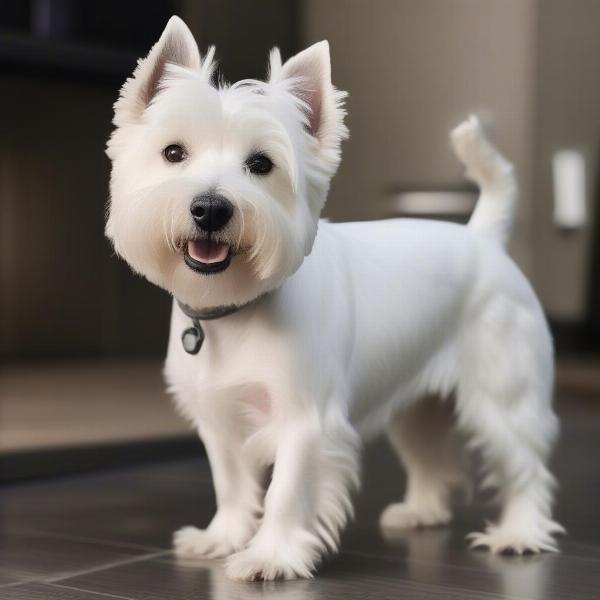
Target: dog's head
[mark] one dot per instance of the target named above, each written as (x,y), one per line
(216,191)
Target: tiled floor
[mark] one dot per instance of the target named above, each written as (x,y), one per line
(107,536)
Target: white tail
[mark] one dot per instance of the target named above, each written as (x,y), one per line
(494,212)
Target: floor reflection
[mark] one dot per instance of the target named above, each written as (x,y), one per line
(222,588)
(429,553)
(424,551)
(225,589)
(522,576)
(436,557)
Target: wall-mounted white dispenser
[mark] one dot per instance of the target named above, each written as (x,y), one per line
(568,170)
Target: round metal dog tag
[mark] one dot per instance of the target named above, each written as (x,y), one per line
(192,339)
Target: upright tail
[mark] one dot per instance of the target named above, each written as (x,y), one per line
(494,213)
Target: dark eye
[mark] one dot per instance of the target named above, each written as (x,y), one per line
(174,153)
(259,164)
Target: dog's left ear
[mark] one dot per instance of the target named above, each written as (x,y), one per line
(309,77)
(176,46)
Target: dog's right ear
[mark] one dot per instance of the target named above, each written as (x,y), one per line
(176,46)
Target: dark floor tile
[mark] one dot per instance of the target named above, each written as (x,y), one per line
(198,580)
(41,591)
(541,577)
(32,555)
(134,511)
(440,544)
(136,506)
(349,576)
(148,580)
(7,579)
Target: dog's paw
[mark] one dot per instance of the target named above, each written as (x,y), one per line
(191,542)
(269,558)
(404,516)
(510,542)
(224,536)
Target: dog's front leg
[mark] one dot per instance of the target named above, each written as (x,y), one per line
(238,492)
(307,503)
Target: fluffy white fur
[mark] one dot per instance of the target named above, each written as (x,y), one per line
(360,323)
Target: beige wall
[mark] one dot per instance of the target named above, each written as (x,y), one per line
(568,117)
(413,70)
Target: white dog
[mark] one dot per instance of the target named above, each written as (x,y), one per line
(312,341)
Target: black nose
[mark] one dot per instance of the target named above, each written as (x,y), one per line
(211,212)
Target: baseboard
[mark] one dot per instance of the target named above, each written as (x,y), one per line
(574,337)
(56,462)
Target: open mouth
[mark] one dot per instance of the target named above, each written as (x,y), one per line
(207,256)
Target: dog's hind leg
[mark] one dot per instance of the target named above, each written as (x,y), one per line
(504,404)
(515,465)
(426,442)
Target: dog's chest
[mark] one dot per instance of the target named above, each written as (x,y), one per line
(232,375)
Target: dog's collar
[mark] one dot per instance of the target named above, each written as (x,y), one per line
(208,314)
(192,338)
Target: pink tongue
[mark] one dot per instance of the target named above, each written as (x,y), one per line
(208,251)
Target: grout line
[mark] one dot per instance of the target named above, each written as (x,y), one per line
(90,540)
(110,565)
(425,586)
(17,583)
(78,589)
(564,553)
(422,587)
(400,559)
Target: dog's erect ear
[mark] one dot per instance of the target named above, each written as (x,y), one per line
(176,46)
(309,74)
